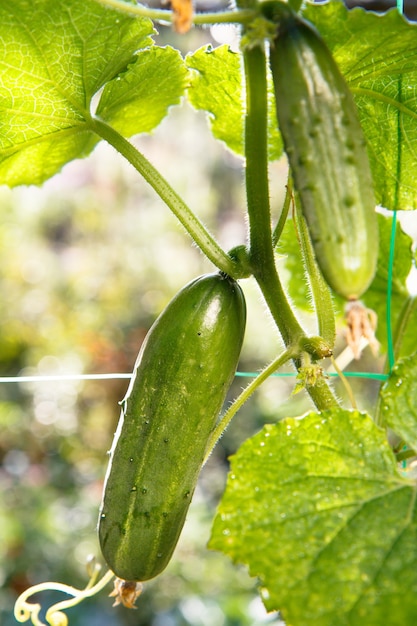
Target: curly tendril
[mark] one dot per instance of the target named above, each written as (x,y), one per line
(25,611)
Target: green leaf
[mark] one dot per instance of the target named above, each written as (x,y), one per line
(377,55)
(137,101)
(376,296)
(398,400)
(318,511)
(217,88)
(55,57)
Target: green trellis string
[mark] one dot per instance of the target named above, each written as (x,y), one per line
(390,343)
(391,355)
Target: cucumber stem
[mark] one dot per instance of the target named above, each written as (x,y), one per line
(322,396)
(195,228)
(284,213)
(244,396)
(345,383)
(257,192)
(319,289)
(260,232)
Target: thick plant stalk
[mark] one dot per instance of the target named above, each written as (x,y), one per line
(257,191)
(260,232)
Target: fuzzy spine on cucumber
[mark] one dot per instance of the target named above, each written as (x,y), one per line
(182,375)
(326,151)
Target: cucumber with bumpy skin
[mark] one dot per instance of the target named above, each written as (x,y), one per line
(180,381)
(326,150)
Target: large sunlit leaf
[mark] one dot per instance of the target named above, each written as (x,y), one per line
(217,88)
(138,100)
(377,55)
(398,400)
(55,57)
(317,510)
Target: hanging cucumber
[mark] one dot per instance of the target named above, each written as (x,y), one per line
(180,381)
(326,150)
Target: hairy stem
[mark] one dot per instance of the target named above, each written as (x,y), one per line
(319,289)
(188,219)
(260,233)
(257,192)
(322,395)
(284,213)
(345,383)
(404,318)
(243,397)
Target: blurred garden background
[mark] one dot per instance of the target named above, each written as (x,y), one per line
(87,263)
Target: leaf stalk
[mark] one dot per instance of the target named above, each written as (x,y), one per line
(195,228)
(244,396)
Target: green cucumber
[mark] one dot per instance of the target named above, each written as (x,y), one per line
(326,150)
(182,375)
